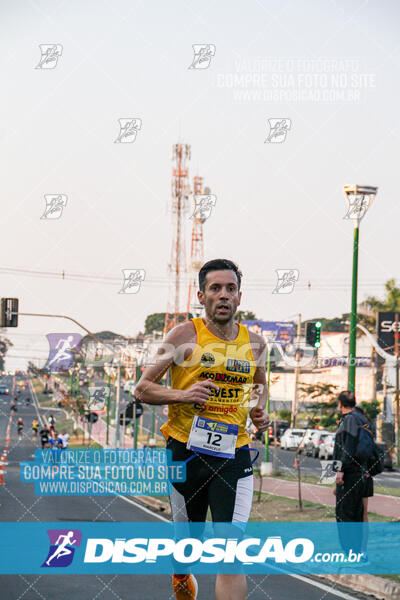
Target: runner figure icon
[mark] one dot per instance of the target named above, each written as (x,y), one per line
(63,347)
(62,549)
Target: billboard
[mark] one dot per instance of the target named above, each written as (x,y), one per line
(387,328)
(273,331)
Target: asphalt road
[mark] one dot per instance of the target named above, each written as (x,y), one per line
(19,503)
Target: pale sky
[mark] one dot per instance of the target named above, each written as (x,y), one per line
(334,69)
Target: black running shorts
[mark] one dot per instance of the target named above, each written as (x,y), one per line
(223,484)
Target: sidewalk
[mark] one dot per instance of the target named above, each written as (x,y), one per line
(387,506)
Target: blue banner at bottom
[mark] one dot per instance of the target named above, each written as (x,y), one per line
(129,548)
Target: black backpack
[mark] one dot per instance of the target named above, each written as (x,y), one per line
(367,451)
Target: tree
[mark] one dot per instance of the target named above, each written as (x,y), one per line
(5,344)
(371,409)
(336,324)
(371,305)
(154,322)
(324,409)
(285,414)
(245,315)
(103,336)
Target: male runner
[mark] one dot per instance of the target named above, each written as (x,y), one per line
(215,365)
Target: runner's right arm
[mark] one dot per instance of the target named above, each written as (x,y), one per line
(148,390)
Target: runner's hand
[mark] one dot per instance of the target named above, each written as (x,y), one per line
(260,418)
(198,392)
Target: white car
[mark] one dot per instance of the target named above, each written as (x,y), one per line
(307,433)
(313,445)
(291,439)
(326,447)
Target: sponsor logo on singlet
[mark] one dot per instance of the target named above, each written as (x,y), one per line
(223,377)
(225,409)
(238,366)
(207,360)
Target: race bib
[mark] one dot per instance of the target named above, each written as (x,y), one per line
(212,437)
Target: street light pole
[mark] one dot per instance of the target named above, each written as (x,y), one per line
(117,409)
(351,377)
(359,198)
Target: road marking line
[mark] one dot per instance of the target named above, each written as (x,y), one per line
(324,587)
(146,510)
(35,402)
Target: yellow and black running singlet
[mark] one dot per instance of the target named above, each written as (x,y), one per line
(231,366)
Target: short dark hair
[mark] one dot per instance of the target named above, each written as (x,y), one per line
(347,399)
(218,264)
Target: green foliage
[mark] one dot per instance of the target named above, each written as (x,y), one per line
(330,324)
(367,310)
(371,409)
(285,415)
(103,336)
(326,391)
(245,315)
(323,410)
(154,322)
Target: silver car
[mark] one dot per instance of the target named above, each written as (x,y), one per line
(291,439)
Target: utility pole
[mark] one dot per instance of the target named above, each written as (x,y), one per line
(117,409)
(359,198)
(296,375)
(373,371)
(268,401)
(396,351)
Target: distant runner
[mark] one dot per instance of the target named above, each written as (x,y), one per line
(20,427)
(35,427)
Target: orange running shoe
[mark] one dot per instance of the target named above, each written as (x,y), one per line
(185,587)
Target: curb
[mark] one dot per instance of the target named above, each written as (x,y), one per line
(383,589)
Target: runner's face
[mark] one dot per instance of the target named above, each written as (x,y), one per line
(221,296)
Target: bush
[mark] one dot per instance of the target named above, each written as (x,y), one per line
(285,415)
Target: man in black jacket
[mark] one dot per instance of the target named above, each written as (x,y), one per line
(350,480)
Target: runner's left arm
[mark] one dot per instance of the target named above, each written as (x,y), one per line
(259,391)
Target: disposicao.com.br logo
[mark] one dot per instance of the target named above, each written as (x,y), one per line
(166,547)
(62,547)
(190,550)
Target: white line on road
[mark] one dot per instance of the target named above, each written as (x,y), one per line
(35,402)
(143,508)
(324,587)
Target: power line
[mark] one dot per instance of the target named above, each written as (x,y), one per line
(248,284)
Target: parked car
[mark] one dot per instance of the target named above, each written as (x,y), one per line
(313,445)
(291,439)
(281,427)
(4,390)
(326,447)
(384,451)
(307,433)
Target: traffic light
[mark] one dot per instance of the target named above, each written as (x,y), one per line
(313,334)
(92,417)
(129,412)
(9,312)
